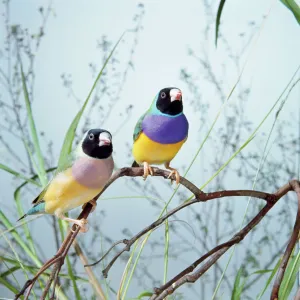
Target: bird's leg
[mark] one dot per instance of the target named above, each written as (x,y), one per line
(81,223)
(92,202)
(147,169)
(173,171)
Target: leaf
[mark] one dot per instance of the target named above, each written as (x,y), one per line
(34,135)
(290,4)
(21,211)
(262,272)
(166,254)
(238,287)
(17,174)
(143,295)
(8,285)
(19,240)
(34,269)
(269,279)
(219,13)
(293,7)
(73,279)
(262,157)
(290,277)
(68,141)
(25,226)
(9,271)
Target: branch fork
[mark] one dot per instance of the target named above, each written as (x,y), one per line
(191,273)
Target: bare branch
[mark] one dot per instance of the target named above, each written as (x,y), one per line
(185,275)
(214,254)
(293,239)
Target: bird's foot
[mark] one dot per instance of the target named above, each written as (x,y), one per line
(82,224)
(173,172)
(147,170)
(93,203)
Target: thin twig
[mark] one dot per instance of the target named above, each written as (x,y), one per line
(292,242)
(92,278)
(215,254)
(124,241)
(185,275)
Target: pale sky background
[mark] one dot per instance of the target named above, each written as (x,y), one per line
(170,28)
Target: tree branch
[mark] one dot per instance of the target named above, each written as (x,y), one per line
(292,242)
(185,275)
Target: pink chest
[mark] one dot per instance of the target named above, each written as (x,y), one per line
(92,173)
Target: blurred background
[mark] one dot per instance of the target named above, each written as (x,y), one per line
(63,45)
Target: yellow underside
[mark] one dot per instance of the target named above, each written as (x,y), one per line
(64,193)
(146,150)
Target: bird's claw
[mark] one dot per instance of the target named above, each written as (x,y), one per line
(177,176)
(82,224)
(147,170)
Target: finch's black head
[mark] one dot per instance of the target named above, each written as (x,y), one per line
(169,101)
(97,143)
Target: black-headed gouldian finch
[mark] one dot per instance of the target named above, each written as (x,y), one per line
(83,177)
(160,132)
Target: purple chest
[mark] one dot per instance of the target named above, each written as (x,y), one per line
(164,129)
(92,173)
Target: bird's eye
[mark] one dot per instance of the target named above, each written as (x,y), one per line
(91,136)
(163,95)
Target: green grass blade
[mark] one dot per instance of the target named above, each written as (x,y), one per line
(8,285)
(256,129)
(12,274)
(19,240)
(269,280)
(21,211)
(228,161)
(166,254)
(262,272)
(260,163)
(290,277)
(293,7)
(33,269)
(238,286)
(73,279)
(18,259)
(34,135)
(10,271)
(135,263)
(125,272)
(218,19)
(68,141)
(17,174)
(143,295)
(25,226)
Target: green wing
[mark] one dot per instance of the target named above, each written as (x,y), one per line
(66,164)
(138,127)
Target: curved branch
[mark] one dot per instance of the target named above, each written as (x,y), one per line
(59,257)
(292,242)
(214,254)
(200,197)
(185,275)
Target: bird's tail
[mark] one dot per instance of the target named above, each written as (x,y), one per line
(22,217)
(36,209)
(135,164)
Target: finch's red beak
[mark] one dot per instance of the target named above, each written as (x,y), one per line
(178,96)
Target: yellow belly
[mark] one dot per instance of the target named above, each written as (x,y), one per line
(146,150)
(64,193)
